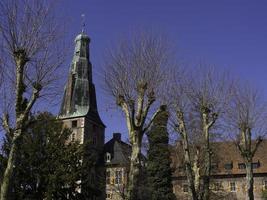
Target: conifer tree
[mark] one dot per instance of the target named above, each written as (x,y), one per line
(48,166)
(158,163)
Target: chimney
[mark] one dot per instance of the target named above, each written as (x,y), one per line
(117,136)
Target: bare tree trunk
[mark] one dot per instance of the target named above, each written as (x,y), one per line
(135,167)
(249,180)
(247,117)
(187,159)
(207,166)
(29,32)
(196,169)
(8,172)
(188,168)
(21,117)
(135,73)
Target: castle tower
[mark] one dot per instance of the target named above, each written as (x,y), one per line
(79,107)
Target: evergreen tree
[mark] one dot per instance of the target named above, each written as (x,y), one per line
(158,162)
(48,166)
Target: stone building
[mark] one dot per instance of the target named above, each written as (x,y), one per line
(228,173)
(117,161)
(79,107)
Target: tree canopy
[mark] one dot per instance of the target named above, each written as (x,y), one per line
(48,166)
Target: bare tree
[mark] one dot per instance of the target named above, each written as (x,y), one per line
(134,75)
(31,44)
(246,115)
(197,101)
(180,107)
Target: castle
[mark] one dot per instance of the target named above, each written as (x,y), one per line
(79,112)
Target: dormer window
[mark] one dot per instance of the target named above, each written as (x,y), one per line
(214,166)
(241,166)
(256,165)
(228,166)
(108,157)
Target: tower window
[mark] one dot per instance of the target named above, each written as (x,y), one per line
(74,124)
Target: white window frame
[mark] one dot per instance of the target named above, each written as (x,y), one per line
(231,188)
(108,157)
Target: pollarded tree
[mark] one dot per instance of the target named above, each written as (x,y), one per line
(197,100)
(134,74)
(158,168)
(30,44)
(246,117)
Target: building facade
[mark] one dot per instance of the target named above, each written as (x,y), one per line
(79,108)
(228,176)
(117,161)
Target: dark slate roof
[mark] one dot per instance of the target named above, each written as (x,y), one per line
(224,153)
(119,150)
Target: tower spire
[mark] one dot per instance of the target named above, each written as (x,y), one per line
(79,98)
(83,22)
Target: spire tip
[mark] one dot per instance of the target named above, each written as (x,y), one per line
(83,22)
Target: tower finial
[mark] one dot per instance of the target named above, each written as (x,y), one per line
(83,22)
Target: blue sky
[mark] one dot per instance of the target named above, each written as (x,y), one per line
(231,34)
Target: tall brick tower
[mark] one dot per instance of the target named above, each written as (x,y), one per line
(79,107)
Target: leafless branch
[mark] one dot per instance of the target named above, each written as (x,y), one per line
(33,46)
(134,76)
(246,116)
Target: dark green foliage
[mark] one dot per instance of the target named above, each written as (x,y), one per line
(158,163)
(264,194)
(48,167)
(93,173)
